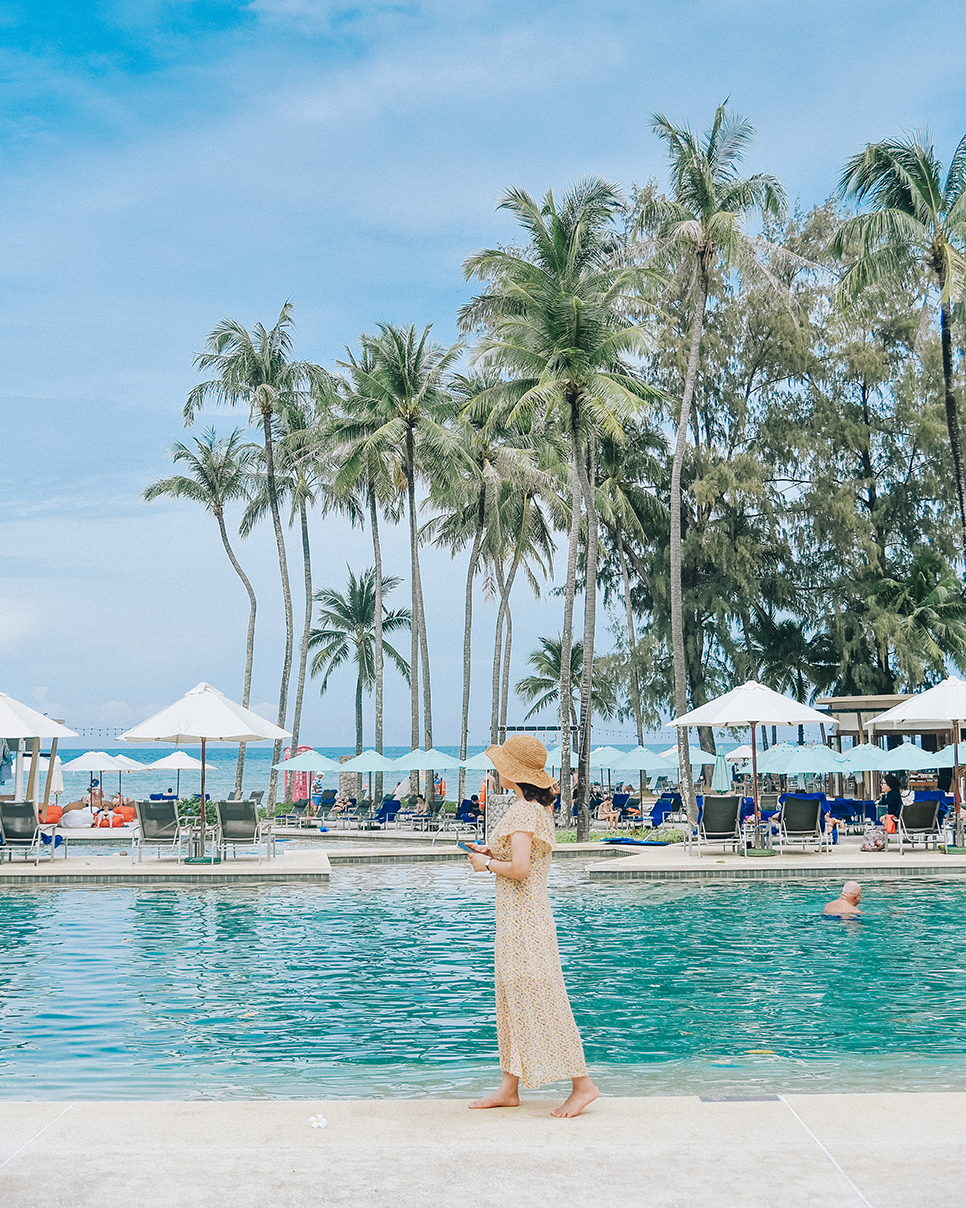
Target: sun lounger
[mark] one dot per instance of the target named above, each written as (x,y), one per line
(800,822)
(20,830)
(919,823)
(719,822)
(158,825)
(239,826)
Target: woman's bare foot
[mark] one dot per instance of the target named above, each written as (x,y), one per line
(505,1094)
(584,1092)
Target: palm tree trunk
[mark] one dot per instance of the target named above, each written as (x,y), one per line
(588,475)
(286,600)
(250,642)
(952,419)
(497,654)
(414,593)
(567,640)
(359,713)
(677,603)
(505,690)
(635,683)
(468,642)
(377,629)
(306,627)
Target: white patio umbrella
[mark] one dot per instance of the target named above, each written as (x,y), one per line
(752,705)
(606,757)
(204,715)
(940,708)
(739,755)
(19,721)
(178,762)
(92,761)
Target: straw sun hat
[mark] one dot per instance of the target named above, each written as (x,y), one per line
(522,759)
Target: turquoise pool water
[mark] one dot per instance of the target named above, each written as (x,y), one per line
(381,984)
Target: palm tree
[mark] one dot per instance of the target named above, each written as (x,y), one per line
(917,221)
(542,688)
(299,483)
(346,630)
(405,409)
(219,472)
(468,507)
(700,229)
(552,319)
(363,483)
(789,659)
(255,370)
(922,616)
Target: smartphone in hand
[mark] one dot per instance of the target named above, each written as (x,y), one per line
(464,847)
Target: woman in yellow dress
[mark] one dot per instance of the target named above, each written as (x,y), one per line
(538,1038)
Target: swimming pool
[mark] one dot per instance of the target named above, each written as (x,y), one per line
(380,984)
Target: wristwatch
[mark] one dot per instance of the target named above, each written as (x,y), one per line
(488,868)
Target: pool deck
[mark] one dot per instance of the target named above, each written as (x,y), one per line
(845,861)
(799,1151)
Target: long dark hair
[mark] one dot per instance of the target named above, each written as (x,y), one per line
(532,793)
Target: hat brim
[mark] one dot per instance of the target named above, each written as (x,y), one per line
(519,773)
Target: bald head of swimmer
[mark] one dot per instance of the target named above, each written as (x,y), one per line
(852,892)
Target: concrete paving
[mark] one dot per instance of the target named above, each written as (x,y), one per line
(842,1151)
(844,861)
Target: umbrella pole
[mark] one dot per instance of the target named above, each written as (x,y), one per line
(50,771)
(204,811)
(956,794)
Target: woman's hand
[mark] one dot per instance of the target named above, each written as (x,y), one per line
(478,860)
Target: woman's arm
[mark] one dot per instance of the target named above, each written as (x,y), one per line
(517,868)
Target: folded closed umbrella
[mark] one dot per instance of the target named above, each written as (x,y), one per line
(721,776)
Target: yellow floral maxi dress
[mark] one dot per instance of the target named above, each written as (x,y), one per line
(535,1027)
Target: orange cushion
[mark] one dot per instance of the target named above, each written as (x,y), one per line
(117,820)
(53,813)
(126,812)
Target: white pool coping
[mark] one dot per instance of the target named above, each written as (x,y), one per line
(796,1151)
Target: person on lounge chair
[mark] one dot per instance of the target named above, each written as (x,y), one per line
(847,905)
(607,812)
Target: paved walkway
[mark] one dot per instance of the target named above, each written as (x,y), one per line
(821,1151)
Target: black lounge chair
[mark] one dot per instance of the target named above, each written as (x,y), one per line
(800,822)
(159,825)
(720,821)
(919,823)
(20,831)
(239,826)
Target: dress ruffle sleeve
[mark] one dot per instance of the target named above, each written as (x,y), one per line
(529,817)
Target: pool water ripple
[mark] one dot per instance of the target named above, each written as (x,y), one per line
(381,984)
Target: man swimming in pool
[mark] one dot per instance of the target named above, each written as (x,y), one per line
(848,903)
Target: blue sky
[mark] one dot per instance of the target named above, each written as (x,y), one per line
(166,164)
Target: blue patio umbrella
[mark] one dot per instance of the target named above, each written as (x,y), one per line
(309,761)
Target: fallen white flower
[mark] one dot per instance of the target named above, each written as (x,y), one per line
(318,1121)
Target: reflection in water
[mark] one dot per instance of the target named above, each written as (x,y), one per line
(382,984)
